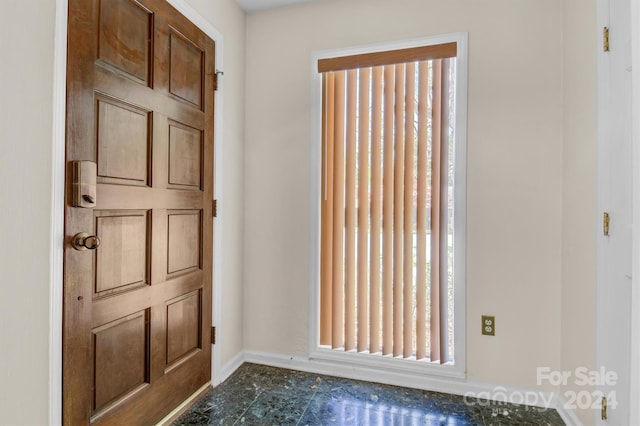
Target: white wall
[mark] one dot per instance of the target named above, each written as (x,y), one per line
(514,168)
(26,108)
(229,19)
(579,213)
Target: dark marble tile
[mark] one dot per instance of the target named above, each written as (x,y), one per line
(273,407)
(338,389)
(232,402)
(375,418)
(338,410)
(495,414)
(396,400)
(261,395)
(192,417)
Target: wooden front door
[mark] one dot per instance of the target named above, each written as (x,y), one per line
(137,308)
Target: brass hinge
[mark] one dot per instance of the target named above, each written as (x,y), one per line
(213,335)
(215,79)
(603,412)
(605,224)
(605,39)
(215,208)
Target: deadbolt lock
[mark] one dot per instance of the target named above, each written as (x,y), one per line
(84,177)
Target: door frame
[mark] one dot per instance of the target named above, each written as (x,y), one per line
(634,413)
(603,19)
(207,27)
(56,240)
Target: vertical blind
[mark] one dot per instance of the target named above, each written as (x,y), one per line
(386,228)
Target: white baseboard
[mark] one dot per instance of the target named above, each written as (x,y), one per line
(350,371)
(568,416)
(229,368)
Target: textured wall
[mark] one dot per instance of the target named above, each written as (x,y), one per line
(579,213)
(26,110)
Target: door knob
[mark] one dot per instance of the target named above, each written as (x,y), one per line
(84,241)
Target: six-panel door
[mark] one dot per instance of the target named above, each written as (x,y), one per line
(137,309)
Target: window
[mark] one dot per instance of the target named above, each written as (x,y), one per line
(391,235)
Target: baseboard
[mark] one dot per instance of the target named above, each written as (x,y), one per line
(568,416)
(493,392)
(350,371)
(229,368)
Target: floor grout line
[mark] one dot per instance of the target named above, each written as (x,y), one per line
(307,407)
(248,406)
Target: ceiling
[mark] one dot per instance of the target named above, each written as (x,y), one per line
(256,5)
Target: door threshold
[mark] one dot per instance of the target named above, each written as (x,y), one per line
(180,409)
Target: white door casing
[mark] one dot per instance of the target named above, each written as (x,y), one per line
(614,251)
(635,314)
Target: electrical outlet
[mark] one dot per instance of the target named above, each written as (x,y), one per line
(488,325)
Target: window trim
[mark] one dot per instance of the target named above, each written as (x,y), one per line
(460,152)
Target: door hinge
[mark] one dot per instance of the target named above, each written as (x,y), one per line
(213,335)
(605,39)
(215,208)
(605,224)
(603,412)
(216,79)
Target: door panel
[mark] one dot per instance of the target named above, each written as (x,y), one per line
(184,242)
(123,259)
(124,142)
(185,156)
(120,357)
(137,309)
(183,327)
(125,28)
(186,68)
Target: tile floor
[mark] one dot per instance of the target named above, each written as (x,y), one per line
(260,395)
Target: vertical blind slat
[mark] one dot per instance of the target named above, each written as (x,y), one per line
(337,338)
(444,214)
(398,207)
(387,215)
(363,210)
(435,211)
(350,201)
(326,256)
(376,199)
(421,214)
(409,176)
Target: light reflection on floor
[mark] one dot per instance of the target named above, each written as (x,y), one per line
(349,410)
